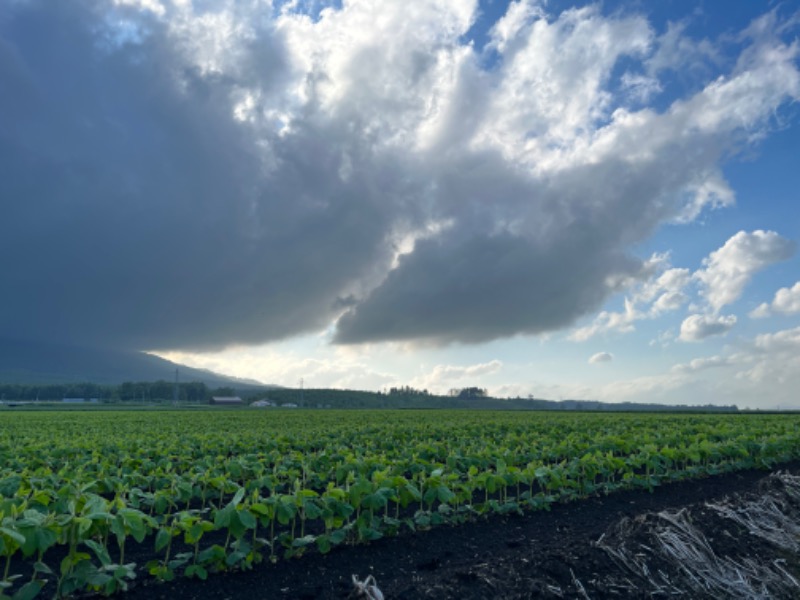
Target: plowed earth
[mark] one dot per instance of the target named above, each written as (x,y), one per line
(703,538)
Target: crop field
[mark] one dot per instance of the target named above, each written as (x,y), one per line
(89,501)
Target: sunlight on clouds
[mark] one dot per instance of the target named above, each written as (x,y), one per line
(659,289)
(444,377)
(341,370)
(728,270)
(153,6)
(550,97)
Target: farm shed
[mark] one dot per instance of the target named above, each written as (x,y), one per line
(226,400)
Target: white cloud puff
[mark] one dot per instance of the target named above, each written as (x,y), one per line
(786,302)
(601,357)
(729,269)
(698,327)
(701,364)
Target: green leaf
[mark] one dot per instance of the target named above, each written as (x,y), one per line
(99,551)
(31,518)
(13,535)
(196,571)
(247,519)
(324,544)
(222,518)
(368,534)
(193,534)
(303,541)
(162,539)
(42,568)
(9,486)
(374,501)
(84,525)
(212,554)
(444,493)
(134,523)
(237,498)
(338,536)
(285,511)
(37,539)
(260,509)
(235,557)
(29,591)
(236,527)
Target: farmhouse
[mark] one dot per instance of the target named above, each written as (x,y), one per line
(226,400)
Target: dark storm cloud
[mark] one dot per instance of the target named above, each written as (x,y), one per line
(478,289)
(539,271)
(174,177)
(137,212)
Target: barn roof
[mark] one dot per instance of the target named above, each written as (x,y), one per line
(227,399)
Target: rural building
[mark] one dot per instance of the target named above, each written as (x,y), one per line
(226,400)
(262,404)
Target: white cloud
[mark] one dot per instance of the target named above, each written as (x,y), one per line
(663,339)
(781,341)
(729,269)
(761,311)
(550,96)
(515,22)
(698,327)
(601,357)
(771,368)
(443,377)
(763,372)
(317,367)
(678,52)
(786,302)
(608,321)
(710,191)
(658,290)
(701,364)
(639,87)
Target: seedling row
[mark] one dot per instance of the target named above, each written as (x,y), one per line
(203,492)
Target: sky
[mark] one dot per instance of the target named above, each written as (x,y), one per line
(557,199)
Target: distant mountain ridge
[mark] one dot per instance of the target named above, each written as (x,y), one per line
(46,363)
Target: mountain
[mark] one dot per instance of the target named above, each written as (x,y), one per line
(44,363)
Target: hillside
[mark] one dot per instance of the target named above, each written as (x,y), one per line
(38,363)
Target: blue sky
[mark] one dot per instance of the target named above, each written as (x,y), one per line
(558,199)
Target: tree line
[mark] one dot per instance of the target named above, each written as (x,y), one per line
(142,391)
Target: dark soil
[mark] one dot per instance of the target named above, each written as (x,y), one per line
(548,554)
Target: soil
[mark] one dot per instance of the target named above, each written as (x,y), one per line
(550,554)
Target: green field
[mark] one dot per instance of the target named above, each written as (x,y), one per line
(191,493)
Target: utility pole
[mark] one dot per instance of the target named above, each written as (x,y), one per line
(175,390)
(302,400)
